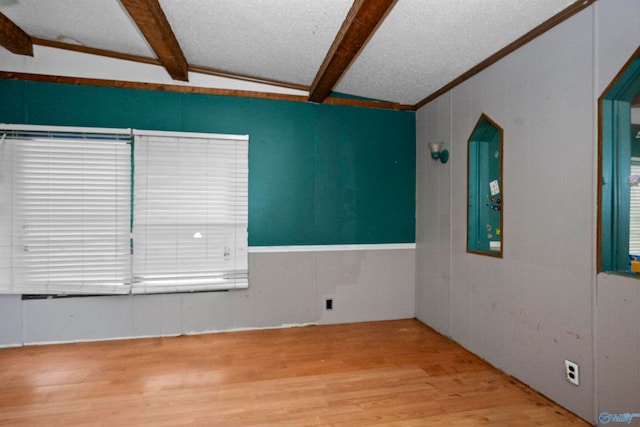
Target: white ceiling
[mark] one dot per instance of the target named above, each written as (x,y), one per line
(283,40)
(102,24)
(424,44)
(420,47)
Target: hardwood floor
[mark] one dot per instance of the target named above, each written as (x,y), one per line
(397,373)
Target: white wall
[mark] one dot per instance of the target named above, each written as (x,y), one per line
(536,307)
(433,218)
(286,289)
(58,62)
(617,314)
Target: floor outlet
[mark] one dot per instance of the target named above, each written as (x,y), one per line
(571,372)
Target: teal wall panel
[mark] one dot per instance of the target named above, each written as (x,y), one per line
(318,174)
(66,105)
(12,106)
(364,163)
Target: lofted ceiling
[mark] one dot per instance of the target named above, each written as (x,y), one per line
(398,51)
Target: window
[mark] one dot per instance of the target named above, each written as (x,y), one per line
(75,215)
(70,211)
(619,195)
(190,212)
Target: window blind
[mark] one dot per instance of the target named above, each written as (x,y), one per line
(190,212)
(71,201)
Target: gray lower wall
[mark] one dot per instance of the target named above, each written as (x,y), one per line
(618,345)
(543,302)
(286,289)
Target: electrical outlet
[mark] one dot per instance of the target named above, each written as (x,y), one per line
(571,372)
(328,304)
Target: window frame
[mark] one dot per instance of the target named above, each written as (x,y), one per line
(614,167)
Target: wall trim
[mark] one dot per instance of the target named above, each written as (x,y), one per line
(331,248)
(203,90)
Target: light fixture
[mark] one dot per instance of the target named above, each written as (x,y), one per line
(437,153)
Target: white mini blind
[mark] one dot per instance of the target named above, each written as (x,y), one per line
(71,205)
(190,212)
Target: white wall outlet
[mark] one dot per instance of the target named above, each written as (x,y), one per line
(571,372)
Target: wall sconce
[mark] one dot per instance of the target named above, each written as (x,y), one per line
(437,153)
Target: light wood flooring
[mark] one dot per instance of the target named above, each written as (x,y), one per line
(393,373)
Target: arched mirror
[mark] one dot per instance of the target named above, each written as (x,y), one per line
(485,200)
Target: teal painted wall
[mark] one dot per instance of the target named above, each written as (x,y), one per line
(318,174)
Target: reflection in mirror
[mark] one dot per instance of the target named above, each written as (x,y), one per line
(634,189)
(484,188)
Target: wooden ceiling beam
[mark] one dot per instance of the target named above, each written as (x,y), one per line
(93,51)
(152,22)
(13,38)
(360,23)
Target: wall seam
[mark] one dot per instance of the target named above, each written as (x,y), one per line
(594,231)
(449,189)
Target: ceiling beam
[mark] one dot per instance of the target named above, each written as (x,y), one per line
(94,51)
(152,22)
(360,23)
(13,38)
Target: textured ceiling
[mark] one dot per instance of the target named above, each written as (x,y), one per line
(421,46)
(424,44)
(101,24)
(283,40)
